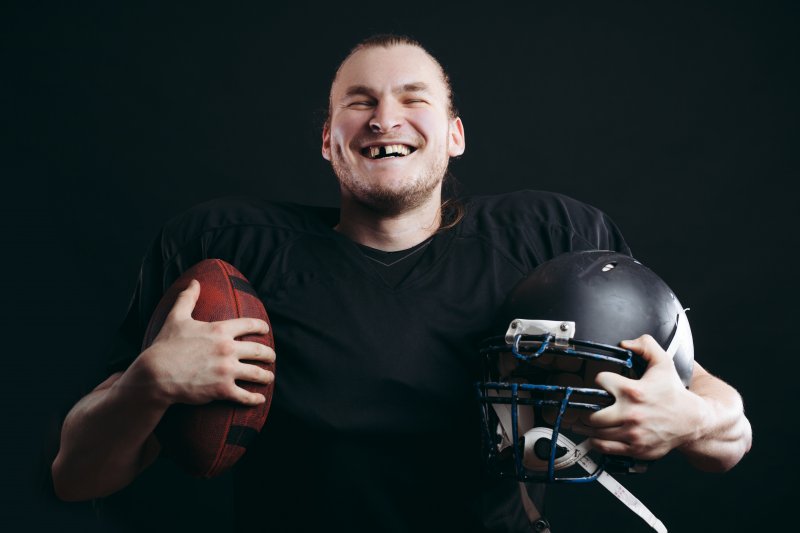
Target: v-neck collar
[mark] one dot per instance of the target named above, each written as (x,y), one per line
(430,254)
(389,259)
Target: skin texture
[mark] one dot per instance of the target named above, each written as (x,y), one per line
(381,96)
(384,96)
(656,413)
(109,432)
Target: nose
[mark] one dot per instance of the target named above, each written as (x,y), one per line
(387,116)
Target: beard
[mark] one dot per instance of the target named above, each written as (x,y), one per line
(391,200)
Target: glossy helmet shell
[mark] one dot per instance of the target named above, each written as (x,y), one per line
(570,311)
(610,296)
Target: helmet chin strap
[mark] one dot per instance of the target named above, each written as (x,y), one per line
(577,454)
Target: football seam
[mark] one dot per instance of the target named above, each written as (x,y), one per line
(232,414)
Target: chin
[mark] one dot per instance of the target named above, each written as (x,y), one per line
(389,192)
(388,201)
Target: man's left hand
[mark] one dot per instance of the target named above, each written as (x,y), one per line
(651,415)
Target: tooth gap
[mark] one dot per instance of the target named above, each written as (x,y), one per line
(382,151)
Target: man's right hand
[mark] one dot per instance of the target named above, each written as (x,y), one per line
(196,362)
(107,438)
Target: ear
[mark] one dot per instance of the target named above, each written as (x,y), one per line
(457,143)
(326,140)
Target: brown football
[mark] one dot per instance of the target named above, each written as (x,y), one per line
(205,440)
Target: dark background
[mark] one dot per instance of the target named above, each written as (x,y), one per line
(678,120)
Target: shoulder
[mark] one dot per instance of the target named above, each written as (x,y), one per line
(541,207)
(245,214)
(232,211)
(538,225)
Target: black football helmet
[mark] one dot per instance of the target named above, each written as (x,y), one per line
(564,323)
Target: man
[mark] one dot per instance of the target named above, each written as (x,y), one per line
(376,309)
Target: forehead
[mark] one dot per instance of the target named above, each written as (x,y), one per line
(380,68)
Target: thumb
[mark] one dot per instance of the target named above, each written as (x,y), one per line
(185,302)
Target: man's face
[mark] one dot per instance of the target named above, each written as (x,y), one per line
(390,134)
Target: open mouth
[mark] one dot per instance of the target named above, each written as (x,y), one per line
(391,150)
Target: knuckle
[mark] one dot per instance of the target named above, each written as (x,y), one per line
(226,348)
(635,418)
(257,374)
(217,328)
(230,390)
(249,372)
(267,353)
(220,390)
(238,394)
(250,399)
(632,391)
(635,438)
(222,369)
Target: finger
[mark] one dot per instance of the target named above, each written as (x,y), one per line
(606,433)
(238,327)
(254,374)
(609,417)
(611,382)
(246,397)
(610,447)
(646,347)
(185,302)
(254,351)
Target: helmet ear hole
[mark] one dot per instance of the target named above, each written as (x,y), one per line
(542,449)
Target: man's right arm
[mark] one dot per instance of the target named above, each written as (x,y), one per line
(107,438)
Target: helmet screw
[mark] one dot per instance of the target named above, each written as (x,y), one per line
(564,326)
(514,325)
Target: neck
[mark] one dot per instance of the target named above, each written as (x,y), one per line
(389,232)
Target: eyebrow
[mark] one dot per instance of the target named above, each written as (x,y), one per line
(415,87)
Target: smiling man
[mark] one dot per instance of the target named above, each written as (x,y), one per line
(390,134)
(377,309)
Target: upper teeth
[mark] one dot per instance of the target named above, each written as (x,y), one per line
(401,149)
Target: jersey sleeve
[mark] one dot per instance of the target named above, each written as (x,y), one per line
(242,231)
(530,227)
(157,271)
(581,226)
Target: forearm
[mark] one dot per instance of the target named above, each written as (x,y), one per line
(723,433)
(106,439)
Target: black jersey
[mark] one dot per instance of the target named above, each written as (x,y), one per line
(374,422)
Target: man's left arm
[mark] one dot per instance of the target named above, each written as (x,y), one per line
(724,433)
(655,414)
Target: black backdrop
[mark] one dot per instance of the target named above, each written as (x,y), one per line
(680,121)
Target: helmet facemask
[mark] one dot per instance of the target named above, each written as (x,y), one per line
(538,385)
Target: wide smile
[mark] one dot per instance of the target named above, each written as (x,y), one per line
(389,151)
